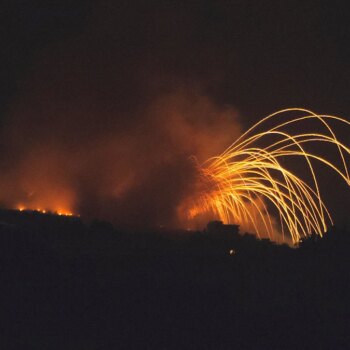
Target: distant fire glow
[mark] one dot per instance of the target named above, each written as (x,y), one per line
(251,179)
(44,211)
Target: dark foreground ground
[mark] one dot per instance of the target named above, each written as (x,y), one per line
(68,286)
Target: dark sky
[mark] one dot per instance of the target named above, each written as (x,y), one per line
(81,73)
(259,56)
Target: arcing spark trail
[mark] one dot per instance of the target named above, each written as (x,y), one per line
(248,182)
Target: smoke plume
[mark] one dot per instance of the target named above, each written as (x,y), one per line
(129,166)
(106,120)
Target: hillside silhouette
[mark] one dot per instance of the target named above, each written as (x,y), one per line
(70,285)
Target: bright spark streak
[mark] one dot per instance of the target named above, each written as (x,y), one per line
(246,180)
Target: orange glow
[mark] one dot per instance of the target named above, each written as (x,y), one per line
(119,172)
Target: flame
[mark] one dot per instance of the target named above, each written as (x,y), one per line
(244,183)
(59,212)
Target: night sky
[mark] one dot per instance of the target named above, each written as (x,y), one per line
(91,89)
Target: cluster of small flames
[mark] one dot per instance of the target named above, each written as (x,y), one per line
(44,211)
